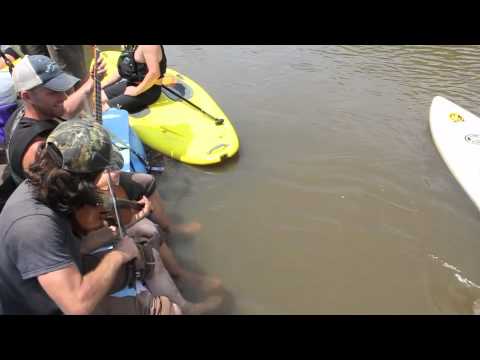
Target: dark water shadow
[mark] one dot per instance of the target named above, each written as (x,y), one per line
(174,184)
(180,244)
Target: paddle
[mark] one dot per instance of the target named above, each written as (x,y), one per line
(217,120)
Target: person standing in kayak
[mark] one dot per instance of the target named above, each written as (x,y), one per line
(40,258)
(136,84)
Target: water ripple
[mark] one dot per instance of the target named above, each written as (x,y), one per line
(445,69)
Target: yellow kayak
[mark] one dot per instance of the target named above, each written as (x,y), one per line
(175,128)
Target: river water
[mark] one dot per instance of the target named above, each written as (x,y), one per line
(338,202)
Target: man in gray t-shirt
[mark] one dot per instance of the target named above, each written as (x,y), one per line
(40,270)
(35,240)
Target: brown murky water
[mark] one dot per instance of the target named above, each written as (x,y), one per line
(338,202)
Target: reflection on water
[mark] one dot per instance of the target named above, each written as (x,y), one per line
(452,70)
(338,197)
(451,291)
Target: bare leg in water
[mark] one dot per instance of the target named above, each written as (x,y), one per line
(148,230)
(159,214)
(162,284)
(184,277)
(161,218)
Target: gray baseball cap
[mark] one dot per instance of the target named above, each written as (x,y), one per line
(36,70)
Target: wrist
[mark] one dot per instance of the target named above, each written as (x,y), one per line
(120,256)
(89,86)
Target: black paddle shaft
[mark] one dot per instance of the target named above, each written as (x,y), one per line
(217,120)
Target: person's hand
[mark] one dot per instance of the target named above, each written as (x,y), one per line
(113,229)
(147,207)
(164,306)
(128,248)
(101,69)
(130,91)
(169,308)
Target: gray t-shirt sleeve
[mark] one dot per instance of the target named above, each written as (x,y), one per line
(39,245)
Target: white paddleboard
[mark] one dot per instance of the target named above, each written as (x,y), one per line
(456,133)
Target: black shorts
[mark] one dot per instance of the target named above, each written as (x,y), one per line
(137,184)
(132,104)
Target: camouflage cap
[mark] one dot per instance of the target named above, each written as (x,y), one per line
(84,147)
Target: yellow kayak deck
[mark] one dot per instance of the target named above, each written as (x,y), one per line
(175,128)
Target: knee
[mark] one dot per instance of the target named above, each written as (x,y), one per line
(158,238)
(155,235)
(147,181)
(150,185)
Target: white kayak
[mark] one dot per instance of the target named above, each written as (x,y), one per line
(456,133)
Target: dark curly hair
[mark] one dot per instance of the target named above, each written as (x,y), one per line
(59,189)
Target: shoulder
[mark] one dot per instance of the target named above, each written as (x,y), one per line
(31,126)
(22,202)
(36,238)
(14,119)
(150,49)
(28,223)
(39,244)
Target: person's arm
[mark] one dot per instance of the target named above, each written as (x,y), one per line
(75,101)
(30,154)
(152,59)
(112,80)
(75,294)
(139,215)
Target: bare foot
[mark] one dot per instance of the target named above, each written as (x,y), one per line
(176,310)
(210,304)
(188,228)
(203,283)
(476,307)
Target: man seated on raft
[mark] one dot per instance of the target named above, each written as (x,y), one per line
(40,259)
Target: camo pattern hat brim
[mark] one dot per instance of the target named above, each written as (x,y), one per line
(84,147)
